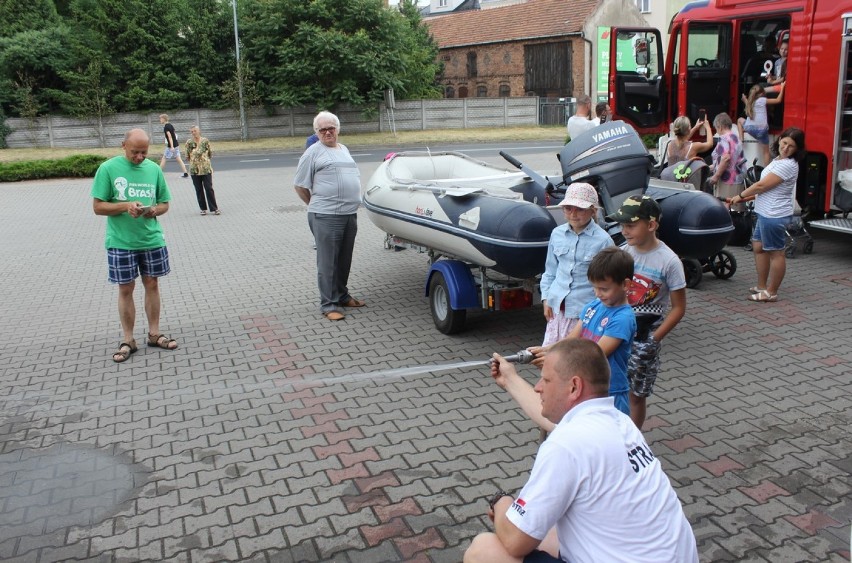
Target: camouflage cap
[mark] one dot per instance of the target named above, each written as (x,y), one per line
(637,208)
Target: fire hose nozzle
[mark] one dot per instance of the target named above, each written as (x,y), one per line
(522,357)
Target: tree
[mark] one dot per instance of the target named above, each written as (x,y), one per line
(329,52)
(18,16)
(209,39)
(230,89)
(31,67)
(421,63)
(144,45)
(89,97)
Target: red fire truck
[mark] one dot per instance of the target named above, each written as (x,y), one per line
(718,49)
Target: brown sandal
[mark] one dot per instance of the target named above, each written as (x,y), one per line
(125,350)
(162,341)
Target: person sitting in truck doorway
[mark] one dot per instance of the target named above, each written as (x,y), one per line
(776,80)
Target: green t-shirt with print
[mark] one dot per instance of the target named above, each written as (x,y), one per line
(118,180)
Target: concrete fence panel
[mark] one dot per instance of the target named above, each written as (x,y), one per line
(224,125)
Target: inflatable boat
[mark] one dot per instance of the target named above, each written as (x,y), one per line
(501,219)
(463,208)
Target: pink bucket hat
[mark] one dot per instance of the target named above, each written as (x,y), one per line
(580,194)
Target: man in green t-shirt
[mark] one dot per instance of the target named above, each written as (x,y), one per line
(131,192)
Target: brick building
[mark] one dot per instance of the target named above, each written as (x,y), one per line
(534,48)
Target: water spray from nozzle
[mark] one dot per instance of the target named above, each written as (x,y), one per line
(522,357)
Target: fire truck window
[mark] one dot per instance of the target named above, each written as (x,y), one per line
(706,49)
(636,52)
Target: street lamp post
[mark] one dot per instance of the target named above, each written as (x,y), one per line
(243,128)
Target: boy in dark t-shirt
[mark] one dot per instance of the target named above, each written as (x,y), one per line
(172,149)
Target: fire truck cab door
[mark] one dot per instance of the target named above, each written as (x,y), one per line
(704,70)
(637,84)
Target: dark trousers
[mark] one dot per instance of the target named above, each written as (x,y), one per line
(335,238)
(204,185)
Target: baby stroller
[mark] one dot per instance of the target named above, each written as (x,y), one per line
(797,234)
(694,171)
(795,231)
(723,264)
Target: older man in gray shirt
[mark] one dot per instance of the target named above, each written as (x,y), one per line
(327,179)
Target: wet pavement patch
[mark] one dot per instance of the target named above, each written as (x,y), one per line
(47,489)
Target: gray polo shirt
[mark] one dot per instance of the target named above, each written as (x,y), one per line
(332,177)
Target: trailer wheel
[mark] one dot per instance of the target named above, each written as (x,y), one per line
(447,320)
(723,264)
(693,270)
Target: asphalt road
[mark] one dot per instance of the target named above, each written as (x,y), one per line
(374,155)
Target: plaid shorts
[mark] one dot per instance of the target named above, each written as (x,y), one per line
(126,265)
(643,365)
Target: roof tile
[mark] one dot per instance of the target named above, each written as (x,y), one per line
(532,19)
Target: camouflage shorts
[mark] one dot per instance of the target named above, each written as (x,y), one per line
(643,366)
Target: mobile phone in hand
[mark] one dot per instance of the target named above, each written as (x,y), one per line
(702,114)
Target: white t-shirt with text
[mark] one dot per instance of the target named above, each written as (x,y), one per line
(597,480)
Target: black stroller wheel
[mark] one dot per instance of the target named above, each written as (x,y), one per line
(723,265)
(693,270)
(790,251)
(809,247)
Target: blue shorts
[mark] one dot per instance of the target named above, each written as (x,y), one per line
(771,232)
(126,265)
(759,133)
(171,153)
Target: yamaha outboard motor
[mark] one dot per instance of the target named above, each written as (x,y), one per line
(612,157)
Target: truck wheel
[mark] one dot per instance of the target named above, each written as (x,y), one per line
(693,270)
(447,320)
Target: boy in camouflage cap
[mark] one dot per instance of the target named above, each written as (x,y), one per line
(657,294)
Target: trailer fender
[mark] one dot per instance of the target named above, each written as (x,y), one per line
(460,283)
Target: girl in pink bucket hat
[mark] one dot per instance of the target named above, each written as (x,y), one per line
(565,287)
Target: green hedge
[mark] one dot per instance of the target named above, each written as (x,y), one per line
(77,166)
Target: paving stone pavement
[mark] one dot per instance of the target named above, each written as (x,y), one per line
(217,452)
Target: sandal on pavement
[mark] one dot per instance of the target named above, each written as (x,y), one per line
(162,341)
(217,212)
(763,296)
(334,315)
(203,212)
(354,303)
(755,289)
(125,350)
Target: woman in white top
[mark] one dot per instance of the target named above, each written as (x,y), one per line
(773,205)
(681,148)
